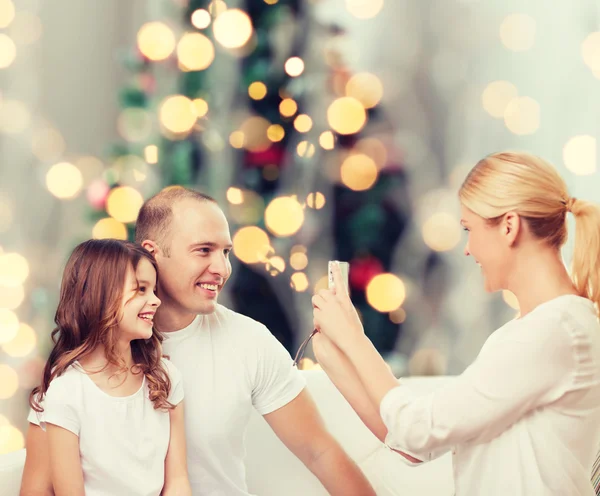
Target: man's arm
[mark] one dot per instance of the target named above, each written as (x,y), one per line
(36,479)
(300,427)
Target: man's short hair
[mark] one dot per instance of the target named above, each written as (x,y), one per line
(156,215)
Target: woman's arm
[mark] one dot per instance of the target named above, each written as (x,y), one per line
(65,461)
(36,480)
(176,474)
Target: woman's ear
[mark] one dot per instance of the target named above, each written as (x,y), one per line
(511,226)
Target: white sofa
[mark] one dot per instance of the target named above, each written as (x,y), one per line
(273,471)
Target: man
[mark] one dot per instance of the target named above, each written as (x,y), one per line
(230,363)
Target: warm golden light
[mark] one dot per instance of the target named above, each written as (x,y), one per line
(26,28)
(284,216)
(11,438)
(14,269)
(288,107)
(257,90)
(232,28)
(386,292)
(275,132)
(156,40)
(109,228)
(441,232)
(580,155)
(251,244)
(177,114)
(217,7)
(303,123)
(275,265)
(255,133)
(398,316)
(200,106)
(299,281)
(151,154)
(235,196)
(237,139)
(522,116)
(124,203)
(8,51)
(134,124)
(364,9)
(590,51)
(294,66)
(315,200)
(11,297)
(517,32)
(373,148)
(195,51)
(496,96)
(22,344)
(9,382)
(47,144)
(64,180)
(9,325)
(305,149)
(299,261)
(326,140)
(7,13)
(358,172)
(14,116)
(346,115)
(510,299)
(200,18)
(366,88)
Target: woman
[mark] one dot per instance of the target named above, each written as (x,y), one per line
(110,404)
(524,418)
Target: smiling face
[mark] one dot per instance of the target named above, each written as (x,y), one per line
(490,244)
(139,302)
(197,266)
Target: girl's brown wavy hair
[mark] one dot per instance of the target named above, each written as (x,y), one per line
(89,312)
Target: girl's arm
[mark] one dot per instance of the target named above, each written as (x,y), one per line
(176,474)
(65,461)
(36,480)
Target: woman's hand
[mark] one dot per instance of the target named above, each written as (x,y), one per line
(334,314)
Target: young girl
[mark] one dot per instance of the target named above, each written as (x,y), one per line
(110,404)
(524,418)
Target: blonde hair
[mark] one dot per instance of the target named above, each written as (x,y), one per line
(531,187)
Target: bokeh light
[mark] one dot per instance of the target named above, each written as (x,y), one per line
(590,51)
(11,297)
(398,316)
(517,32)
(235,196)
(14,116)
(288,107)
(299,281)
(346,115)
(386,292)
(275,133)
(22,344)
(217,7)
(200,18)
(522,116)
(11,438)
(358,172)
(9,382)
(64,180)
(257,90)
(26,28)
(298,260)
(237,139)
(327,140)
(284,216)
(275,265)
(303,123)
(109,228)
(251,244)
(375,149)
(14,269)
(305,149)
(316,200)
(7,13)
(47,144)
(134,124)
(294,66)
(156,40)
(364,9)
(177,114)
(441,232)
(254,130)
(195,51)
(124,203)
(366,88)
(232,28)
(510,299)
(580,155)
(496,96)
(151,154)
(9,325)
(8,51)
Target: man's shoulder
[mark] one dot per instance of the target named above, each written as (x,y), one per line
(236,322)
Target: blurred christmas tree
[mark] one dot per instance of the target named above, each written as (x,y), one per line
(257,108)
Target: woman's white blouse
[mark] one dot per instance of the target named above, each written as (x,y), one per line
(524,418)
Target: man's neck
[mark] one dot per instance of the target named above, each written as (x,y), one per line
(171,319)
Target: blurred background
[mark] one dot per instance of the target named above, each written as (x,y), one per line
(327,129)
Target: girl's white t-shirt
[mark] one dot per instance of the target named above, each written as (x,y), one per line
(123,441)
(524,418)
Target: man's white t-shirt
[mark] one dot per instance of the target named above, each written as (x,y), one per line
(123,441)
(524,418)
(229,364)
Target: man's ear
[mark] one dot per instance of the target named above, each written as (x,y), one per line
(511,226)
(151,246)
